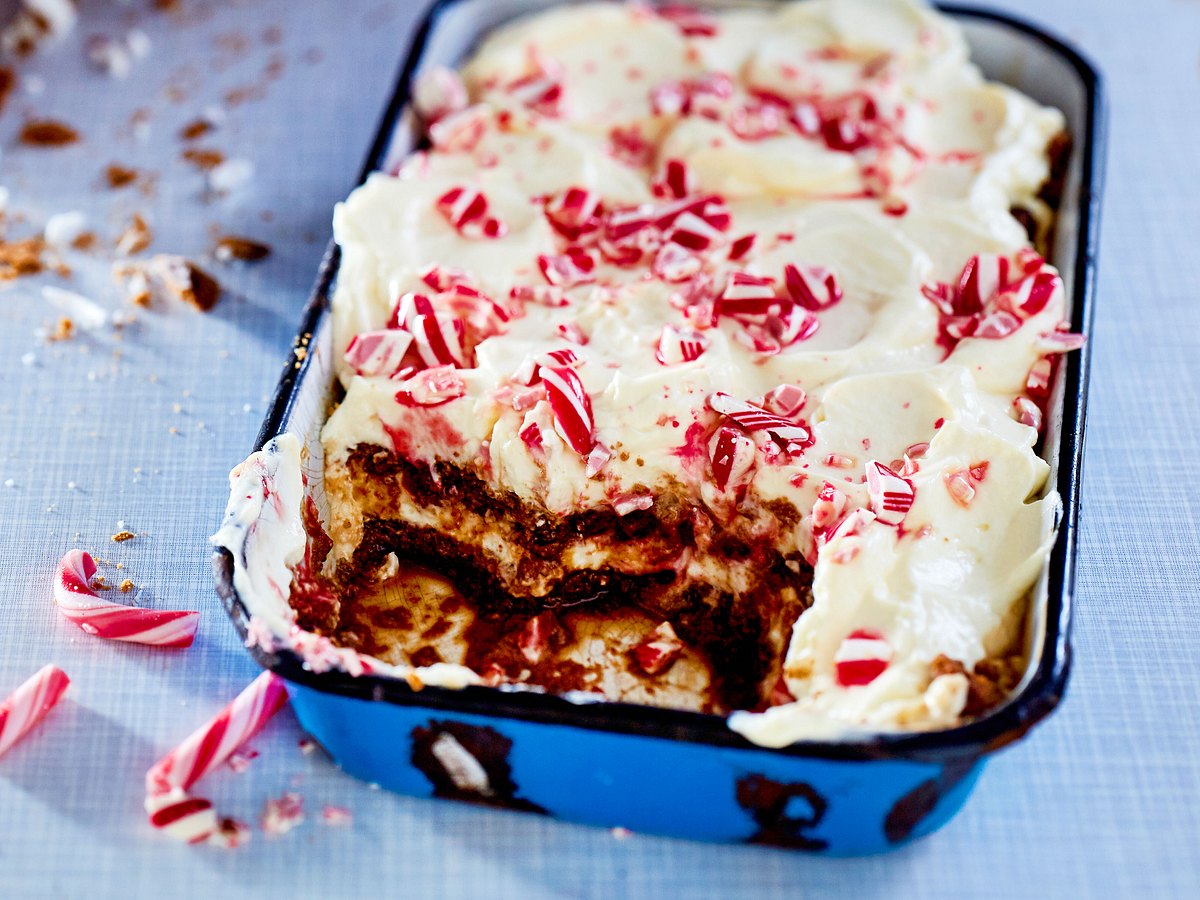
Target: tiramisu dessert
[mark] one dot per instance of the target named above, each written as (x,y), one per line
(704,354)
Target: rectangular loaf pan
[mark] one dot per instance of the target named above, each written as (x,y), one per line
(684,773)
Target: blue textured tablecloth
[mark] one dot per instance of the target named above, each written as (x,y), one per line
(141,428)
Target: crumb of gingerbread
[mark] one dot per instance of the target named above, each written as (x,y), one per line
(125,586)
(988,684)
(100,583)
(197,128)
(136,237)
(231,247)
(122,536)
(20,258)
(168,278)
(119,176)
(204,159)
(47,133)
(64,330)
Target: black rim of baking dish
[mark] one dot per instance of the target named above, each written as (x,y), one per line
(1008,722)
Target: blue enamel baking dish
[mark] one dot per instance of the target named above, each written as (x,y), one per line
(682,773)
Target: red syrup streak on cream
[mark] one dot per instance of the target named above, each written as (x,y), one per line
(693,451)
(434,430)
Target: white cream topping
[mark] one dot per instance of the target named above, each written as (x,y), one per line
(890,219)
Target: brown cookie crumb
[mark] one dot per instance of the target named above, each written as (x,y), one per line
(47,133)
(100,583)
(136,237)
(20,258)
(232,247)
(64,330)
(204,159)
(169,278)
(122,536)
(125,586)
(197,128)
(118,176)
(989,683)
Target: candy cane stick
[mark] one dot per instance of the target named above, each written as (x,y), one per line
(80,604)
(210,745)
(28,704)
(169,805)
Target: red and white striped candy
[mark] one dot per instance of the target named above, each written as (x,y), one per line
(674,263)
(433,387)
(440,339)
(710,95)
(983,277)
(168,781)
(541,294)
(466,209)
(531,434)
(785,401)
(597,459)
(374,353)
(460,131)
(29,703)
(755,418)
(571,405)
(690,21)
(439,92)
(852,524)
(541,92)
(828,509)
(960,486)
(575,266)
(739,247)
(1027,412)
(574,212)
(813,287)
(1037,382)
(732,456)
(659,650)
(994,326)
(181,816)
(756,120)
(677,346)
(1034,294)
(748,298)
(891,496)
(674,180)
(79,604)
(861,657)
(694,233)
(530,371)
(670,98)
(1061,341)
(794,325)
(211,745)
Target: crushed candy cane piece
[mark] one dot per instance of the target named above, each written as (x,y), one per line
(659,650)
(891,496)
(732,456)
(571,405)
(862,657)
(280,815)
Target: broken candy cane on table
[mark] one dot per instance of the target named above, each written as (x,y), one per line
(29,704)
(169,805)
(78,603)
